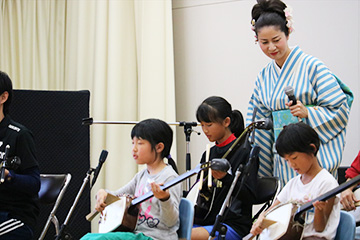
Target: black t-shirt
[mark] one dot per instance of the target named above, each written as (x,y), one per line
(19,196)
(239,217)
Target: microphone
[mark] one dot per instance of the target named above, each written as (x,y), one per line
(102,159)
(264,123)
(3,164)
(254,153)
(289,91)
(220,164)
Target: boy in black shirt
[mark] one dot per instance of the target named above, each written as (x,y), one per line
(20,182)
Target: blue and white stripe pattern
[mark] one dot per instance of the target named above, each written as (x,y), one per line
(313,84)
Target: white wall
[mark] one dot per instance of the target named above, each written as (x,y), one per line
(216,54)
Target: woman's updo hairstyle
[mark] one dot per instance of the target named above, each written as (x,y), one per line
(269,13)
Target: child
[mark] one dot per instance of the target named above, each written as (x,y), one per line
(19,209)
(223,125)
(298,144)
(158,216)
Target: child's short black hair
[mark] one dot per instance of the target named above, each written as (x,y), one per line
(156,131)
(6,86)
(297,137)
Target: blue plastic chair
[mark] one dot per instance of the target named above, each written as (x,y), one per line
(346,228)
(186,214)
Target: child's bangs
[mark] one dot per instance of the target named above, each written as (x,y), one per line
(206,113)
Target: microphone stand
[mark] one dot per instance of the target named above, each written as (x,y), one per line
(218,226)
(63,235)
(188,130)
(219,218)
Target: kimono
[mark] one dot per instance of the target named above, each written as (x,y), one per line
(320,91)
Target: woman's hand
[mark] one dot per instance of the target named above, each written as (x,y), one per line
(159,193)
(218,174)
(298,110)
(100,200)
(347,199)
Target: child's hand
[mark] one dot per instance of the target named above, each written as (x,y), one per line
(218,174)
(319,205)
(347,199)
(100,200)
(256,227)
(322,212)
(159,193)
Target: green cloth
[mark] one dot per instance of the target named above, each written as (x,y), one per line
(115,236)
(347,91)
(282,118)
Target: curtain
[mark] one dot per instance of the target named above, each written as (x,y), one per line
(122,51)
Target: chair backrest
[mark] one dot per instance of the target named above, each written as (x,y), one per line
(267,189)
(52,190)
(186,214)
(341,174)
(51,185)
(346,227)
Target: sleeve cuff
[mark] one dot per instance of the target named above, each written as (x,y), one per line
(10,177)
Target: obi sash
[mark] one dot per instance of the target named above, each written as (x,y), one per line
(282,118)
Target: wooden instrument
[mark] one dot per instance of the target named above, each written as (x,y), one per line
(117,217)
(292,228)
(122,213)
(356,192)
(285,224)
(357,196)
(205,191)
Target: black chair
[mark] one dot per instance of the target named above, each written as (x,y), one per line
(341,174)
(53,187)
(267,190)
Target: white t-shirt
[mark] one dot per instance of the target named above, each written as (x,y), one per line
(296,191)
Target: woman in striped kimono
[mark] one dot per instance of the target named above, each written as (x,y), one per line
(322,100)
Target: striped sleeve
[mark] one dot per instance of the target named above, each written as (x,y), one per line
(330,115)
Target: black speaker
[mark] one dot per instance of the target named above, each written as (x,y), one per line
(63,146)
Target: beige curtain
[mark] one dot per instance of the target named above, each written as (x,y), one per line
(120,50)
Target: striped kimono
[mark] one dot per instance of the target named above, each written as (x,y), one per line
(318,89)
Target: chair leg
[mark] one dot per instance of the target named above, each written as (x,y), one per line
(47,225)
(57,225)
(52,218)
